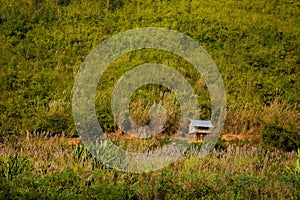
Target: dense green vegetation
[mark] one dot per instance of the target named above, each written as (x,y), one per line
(255,45)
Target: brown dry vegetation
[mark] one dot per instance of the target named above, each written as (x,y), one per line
(237,172)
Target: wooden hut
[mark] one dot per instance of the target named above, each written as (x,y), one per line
(198,129)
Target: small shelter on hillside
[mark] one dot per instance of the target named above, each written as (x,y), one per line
(198,129)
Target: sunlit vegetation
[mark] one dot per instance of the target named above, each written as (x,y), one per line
(255,45)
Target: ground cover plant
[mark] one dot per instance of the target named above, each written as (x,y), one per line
(255,45)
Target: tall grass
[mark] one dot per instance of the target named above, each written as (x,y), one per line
(235,172)
(250,119)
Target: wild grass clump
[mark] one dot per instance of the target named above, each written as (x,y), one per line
(281,128)
(48,167)
(277,125)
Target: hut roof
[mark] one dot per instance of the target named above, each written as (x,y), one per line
(201,123)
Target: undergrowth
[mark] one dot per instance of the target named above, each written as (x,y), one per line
(47,167)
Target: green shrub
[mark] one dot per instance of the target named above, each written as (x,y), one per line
(277,136)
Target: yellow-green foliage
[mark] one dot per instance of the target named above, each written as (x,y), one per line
(255,44)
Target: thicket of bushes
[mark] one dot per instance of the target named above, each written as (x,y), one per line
(254,44)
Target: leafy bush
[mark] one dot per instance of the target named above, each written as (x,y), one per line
(275,135)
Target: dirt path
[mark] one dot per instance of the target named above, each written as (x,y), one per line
(75,141)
